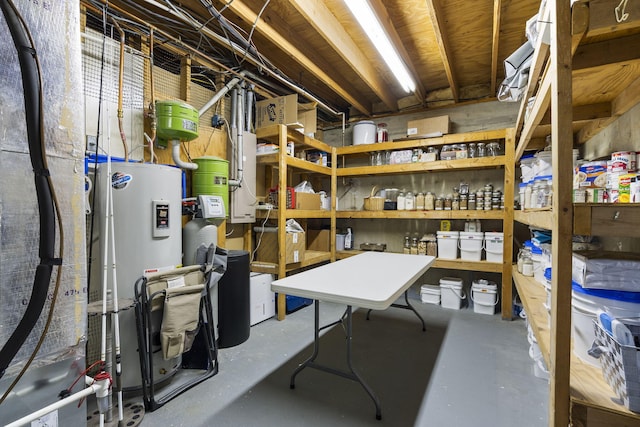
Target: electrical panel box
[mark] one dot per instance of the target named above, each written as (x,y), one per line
(160,220)
(243,201)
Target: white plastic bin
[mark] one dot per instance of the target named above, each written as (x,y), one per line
(584,306)
(493,244)
(484,295)
(470,245)
(451,292)
(448,244)
(430,294)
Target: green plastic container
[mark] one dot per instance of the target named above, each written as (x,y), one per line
(211,178)
(176,120)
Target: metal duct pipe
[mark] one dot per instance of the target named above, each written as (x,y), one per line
(239,126)
(249,109)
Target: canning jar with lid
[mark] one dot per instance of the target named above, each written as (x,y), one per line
(429,201)
(439,203)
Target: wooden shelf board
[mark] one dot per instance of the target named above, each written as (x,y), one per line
(295,213)
(273,160)
(461,264)
(438,165)
(272,133)
(454,264)
(540,219)
(392,214)
(588,386)
(453,138)
(310,258)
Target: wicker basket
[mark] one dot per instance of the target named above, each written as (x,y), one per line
(373,202)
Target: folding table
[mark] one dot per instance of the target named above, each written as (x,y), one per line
(370,280)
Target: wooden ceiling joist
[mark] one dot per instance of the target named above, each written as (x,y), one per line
(326,24)
(495,42)
(244,12)
(443,44)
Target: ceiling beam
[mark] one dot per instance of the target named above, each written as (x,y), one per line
(245,13)
(382,14)
(495,43)
(443,43)
(607,52)
(620,105)
(326,24)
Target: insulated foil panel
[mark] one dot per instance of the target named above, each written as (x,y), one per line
(55,28)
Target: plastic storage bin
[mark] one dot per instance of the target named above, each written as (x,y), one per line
(493,244)
(448,244)
(430,294)
(484,295)
(451,292)
(470,245)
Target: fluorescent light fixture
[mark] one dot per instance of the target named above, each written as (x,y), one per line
(362,11)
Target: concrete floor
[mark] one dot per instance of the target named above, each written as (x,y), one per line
(482,376)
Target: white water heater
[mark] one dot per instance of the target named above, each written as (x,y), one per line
(147,216)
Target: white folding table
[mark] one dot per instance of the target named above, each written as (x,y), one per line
(370,280)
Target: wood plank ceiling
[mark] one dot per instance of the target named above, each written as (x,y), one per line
(454,48)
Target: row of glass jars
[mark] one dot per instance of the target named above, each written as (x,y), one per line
(481,200)
(427,245)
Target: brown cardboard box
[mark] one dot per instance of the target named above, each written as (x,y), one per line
(285,110)
(307,201)
(295,246)
(319,240)
(431,127)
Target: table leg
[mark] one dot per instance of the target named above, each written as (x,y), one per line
(352,374)
(406,306)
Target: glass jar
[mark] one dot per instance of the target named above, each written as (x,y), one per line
(473,151)
(383,133)
(439,203)
(448,202)
(420,202)
(401,205)
(406,249)
(481,150)
(455,203)
(422,245)
(432,245)
(429,201)
(472,202)
(464,203)
(414,249)
(409,202)
(415,156)
(527,264)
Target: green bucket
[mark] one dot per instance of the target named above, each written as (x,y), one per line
(211,178)
(176,120)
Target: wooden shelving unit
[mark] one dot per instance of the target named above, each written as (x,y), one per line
(588,387)
(589,65)
(349,156)
(280,168)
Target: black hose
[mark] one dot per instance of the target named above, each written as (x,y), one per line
(32,87)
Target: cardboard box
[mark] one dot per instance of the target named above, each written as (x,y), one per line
(427,128)
(308,201)
(319,240)
(295,246)
(285,110)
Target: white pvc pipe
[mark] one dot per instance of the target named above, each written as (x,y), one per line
(226,88)
(175,154)
(95,387)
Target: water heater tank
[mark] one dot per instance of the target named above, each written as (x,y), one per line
(147,217)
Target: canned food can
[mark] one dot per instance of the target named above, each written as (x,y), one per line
(624,188)
(626,157)
(579,196)
(612,196)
